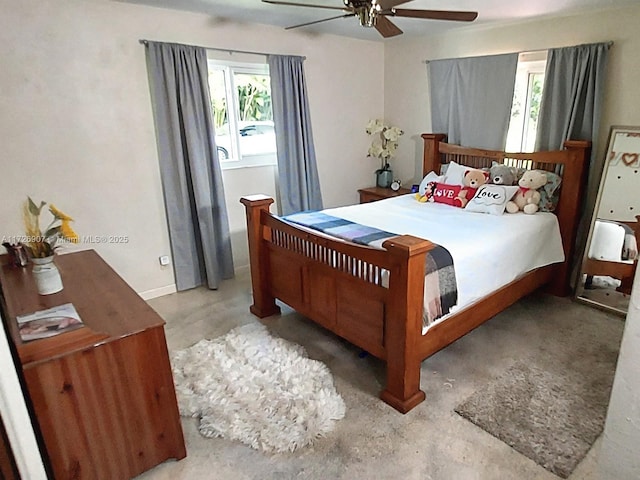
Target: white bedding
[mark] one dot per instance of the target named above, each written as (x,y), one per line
(608,241)
(488,251)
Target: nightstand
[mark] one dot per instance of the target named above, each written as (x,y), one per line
(373,194)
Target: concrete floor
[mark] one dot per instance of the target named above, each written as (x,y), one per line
(374,441)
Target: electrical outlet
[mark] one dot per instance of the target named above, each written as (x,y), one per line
(164,260)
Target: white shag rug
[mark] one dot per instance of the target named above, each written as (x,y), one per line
(263,391)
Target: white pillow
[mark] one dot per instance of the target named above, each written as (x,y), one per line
(429,177)
(491,199)
(455,174)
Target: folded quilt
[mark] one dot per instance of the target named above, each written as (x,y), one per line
(440,287)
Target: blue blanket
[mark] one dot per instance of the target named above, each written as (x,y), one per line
(441,291)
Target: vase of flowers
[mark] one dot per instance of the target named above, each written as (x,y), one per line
(46,275)
(42,246)
(383,147)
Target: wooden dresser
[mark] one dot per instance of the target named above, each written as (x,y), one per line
(103,395)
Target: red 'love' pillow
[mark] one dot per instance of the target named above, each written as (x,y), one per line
(445,193)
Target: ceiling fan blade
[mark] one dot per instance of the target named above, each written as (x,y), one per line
(320,21)
(386,27)
(389,4)
(294,4)
(433,14)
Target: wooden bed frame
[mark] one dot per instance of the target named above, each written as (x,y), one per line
(338,284)
(625,272)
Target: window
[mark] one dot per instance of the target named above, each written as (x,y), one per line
(241,104)
(527,95)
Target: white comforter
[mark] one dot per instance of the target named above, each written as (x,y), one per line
(488,251)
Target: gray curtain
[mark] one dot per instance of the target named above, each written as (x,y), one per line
(570,110)
(572,101)
(191,176)
(297,171)
(471,99)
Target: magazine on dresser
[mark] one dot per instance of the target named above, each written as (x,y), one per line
(48,323)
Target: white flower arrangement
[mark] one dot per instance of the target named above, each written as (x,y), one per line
(384,143)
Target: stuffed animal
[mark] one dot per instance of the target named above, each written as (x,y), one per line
(472,180)
(501,174)
(527,197)
(428,193)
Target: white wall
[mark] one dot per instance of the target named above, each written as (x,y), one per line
(406,87)
(76,123)
(15,416)
(619,458)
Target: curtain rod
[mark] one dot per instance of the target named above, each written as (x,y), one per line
(610,43)
(230,51)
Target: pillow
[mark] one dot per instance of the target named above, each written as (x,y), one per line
(445,193)
(454,174)
(429,177)
(550,193)
(607,240)
(491,199)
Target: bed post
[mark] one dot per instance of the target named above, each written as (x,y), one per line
(569,211)
(403,325)
(431,159)
(263,302)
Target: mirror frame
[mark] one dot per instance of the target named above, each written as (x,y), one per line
(613,131)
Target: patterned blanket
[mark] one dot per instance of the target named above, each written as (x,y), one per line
(440,287)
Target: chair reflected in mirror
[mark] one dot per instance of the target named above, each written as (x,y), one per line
(611,257)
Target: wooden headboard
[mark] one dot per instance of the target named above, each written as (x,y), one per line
(571,164)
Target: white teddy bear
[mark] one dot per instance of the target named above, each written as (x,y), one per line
(527,198)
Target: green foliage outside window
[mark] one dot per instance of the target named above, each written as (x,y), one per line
(254,97)
(536,96)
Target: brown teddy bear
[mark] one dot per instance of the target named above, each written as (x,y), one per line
(473,179)
(527,198)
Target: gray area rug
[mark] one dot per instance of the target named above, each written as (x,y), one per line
(551,415)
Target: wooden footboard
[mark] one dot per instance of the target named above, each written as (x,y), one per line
(340,285)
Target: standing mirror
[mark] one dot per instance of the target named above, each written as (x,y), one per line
(611,255)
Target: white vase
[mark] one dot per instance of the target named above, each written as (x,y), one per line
(46,275)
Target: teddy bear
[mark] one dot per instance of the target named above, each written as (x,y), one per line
(500,174)
(472,180)
(527,197)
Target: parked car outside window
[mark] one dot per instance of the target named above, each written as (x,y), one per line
(256,138)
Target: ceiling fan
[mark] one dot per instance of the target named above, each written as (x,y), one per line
(374,13)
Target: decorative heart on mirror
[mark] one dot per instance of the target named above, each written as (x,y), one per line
(629,158)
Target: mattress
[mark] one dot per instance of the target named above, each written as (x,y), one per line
(489,251)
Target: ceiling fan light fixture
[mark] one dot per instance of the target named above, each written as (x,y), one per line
(367,16)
